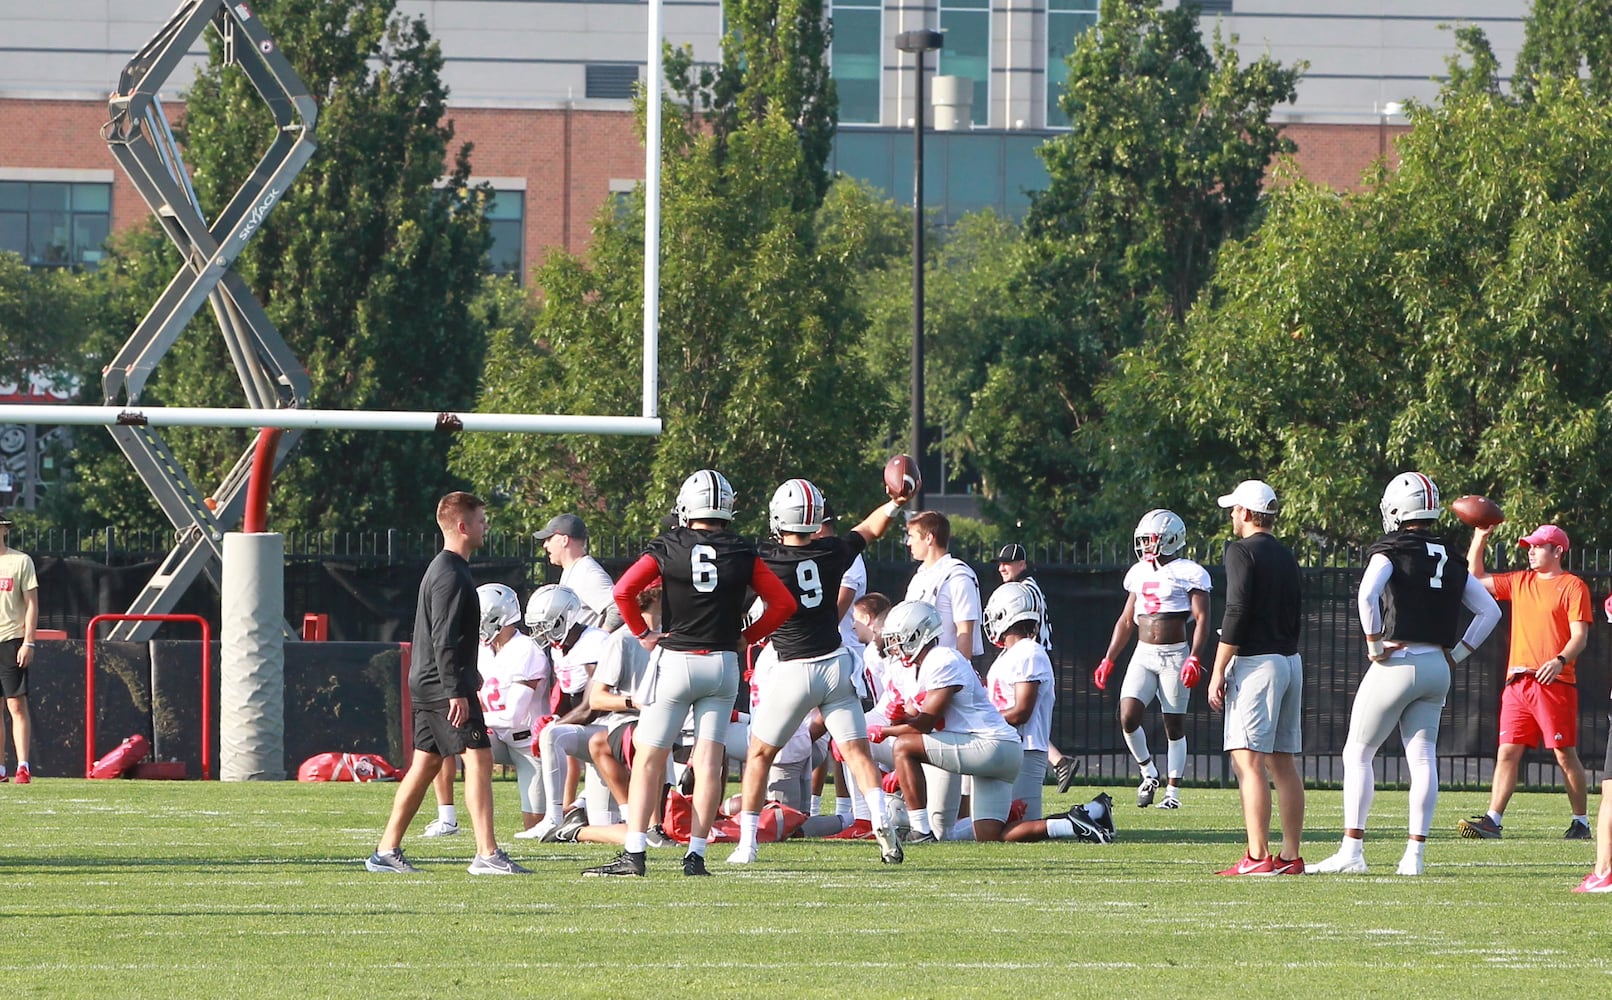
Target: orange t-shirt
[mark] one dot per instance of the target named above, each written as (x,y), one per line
(1541,611)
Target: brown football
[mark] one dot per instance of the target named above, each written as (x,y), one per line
(901,478)
(1477,512)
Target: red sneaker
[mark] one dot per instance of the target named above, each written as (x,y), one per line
(859,829)
(1595,883)
(1282,866)
(1249,866)
(23,777)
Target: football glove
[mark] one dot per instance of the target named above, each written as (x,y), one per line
(891,783)
(1105,667)
(1192,672)
(875,733)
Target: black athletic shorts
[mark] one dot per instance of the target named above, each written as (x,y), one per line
(1606,768)
(433,734)
(13,682)
(620,740)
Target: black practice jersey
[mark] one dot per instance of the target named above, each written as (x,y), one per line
(704,575)
(812,572)
(1422,602)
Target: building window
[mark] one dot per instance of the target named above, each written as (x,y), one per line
(506,220)
(55,223)
(1214,6)
(1066,20)
(967,50)
(611,80)
(856,59)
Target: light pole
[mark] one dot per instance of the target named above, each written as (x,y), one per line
(918,42)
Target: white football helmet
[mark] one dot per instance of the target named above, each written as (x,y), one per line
(908,628)
(551,612)
(796,506)
(1160,532)
(499,607)
(1010,604)
(1411,496)
(706,496)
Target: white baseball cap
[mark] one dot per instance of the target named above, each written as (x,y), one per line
(1252,494)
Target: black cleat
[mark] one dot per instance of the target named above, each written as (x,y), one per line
(1065,770)
(570,823)
(625,863)
(694,864)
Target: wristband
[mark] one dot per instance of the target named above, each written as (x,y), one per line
(892,510)
(28,644)
(645,632)
(1374,647)
(1460,652)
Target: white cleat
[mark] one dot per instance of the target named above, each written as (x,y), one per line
(744,854)
(536,831)
(889,845)
(1343,862)
(439,828)
(1410,864)
(897,819)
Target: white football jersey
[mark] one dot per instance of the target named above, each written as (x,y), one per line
(1166,588)
(1024,661)
(970,709)
(951,586)
(512,682)
(571,666)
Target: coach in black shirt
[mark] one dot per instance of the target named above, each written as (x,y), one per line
(1258,679)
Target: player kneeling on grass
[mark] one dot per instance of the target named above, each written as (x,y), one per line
(1020,681)
(1163,590)
(1410,607)
(950,723)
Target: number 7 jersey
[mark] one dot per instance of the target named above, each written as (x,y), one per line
(812,572)
(1165,588)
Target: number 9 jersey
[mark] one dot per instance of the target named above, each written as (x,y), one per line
(812,572)
(1163,588)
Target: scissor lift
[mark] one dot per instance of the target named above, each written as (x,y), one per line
(271,377)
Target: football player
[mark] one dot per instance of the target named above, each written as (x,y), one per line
(515,675)
(1163,590)
(558,619)
(809,666)
(705,570)
(1410,608)
(1020,681)
(1013,565)
(947,720)
(945,582)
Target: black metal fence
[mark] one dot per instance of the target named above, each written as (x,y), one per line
(366,583)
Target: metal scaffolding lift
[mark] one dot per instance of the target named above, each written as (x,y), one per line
(270,375)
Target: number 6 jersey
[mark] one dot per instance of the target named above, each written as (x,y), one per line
(1163,588)
(704,575)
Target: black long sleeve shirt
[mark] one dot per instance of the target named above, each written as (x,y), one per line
(1263,597)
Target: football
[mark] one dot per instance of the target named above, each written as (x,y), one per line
(901,478)
(1477,512)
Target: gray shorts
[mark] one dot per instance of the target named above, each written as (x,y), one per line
(993,764)
(1264,703)
(1155,672)
(1406,692)
(706,683)
(786,690)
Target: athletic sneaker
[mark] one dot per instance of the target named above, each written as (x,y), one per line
(1410,864)
(1086,828)
(440,828)
(1170,801)
(898,820)
(1341,863)
(657,836)
(1144,791)
(1287,866)
(744,854)
(694,864)
(543,829)
(392,862)
(24,777)
(1248,866)
(1595,883)
(625,863)
(860,829)
(496,863)
(1479,827)
(927,837)
(1065,770)
(1576,830)
(570,823)
(889,845)
(1106,821)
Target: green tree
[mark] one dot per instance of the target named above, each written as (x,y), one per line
(759,362)
(1567,39)
(368,266)
(1450,318)
(43,313)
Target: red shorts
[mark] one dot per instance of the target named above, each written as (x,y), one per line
(1532,713)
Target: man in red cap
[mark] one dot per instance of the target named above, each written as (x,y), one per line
(1550,625)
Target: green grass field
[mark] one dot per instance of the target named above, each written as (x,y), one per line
(183,889)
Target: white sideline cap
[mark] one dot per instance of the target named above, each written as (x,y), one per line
(1252,494)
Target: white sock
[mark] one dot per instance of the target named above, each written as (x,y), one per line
(1585,819)
(817,806)
(1414,848)
(1172,792)
(920,820)
(1175,757)
(749,823)
(873,801)
(1059,829)
(1355,847)
(696,845)
(845,808)
(448,814)
(1497,817)
(23,763)
(636,843)
(1137,741)
(962,830)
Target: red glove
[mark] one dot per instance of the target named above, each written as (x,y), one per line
(834,748)
(1100,678)
(875,733)
(537,733)
(898,711)
(1192,672)
(891,784)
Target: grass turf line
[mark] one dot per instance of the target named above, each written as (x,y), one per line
(184,889)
